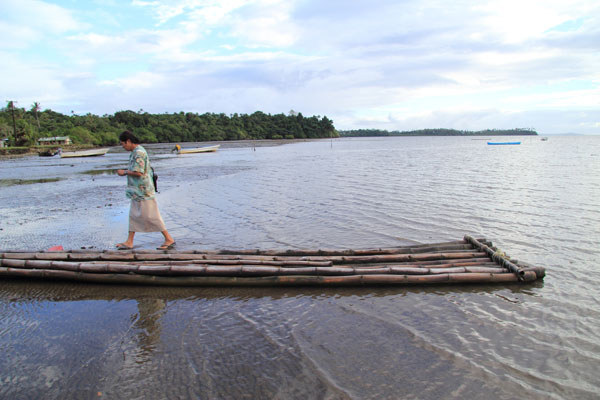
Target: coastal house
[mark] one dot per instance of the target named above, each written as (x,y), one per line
(55,140)
(4,142)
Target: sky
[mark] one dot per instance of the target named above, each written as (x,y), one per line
(377,64)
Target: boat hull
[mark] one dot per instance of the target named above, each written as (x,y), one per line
(205,149)
(85,153)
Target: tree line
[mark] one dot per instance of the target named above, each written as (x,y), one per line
(440,132)
(23,127)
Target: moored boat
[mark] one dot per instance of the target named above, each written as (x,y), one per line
(204,149)
(48,153)
(84,153)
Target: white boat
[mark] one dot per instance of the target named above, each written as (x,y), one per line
(205,149)
(84,153)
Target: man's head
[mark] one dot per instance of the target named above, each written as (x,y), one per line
(128,140)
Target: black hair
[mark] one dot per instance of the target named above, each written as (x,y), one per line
(127,135)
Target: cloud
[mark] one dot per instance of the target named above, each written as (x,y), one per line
(566,100)
(384,64)
(25,21)
(582,121)
(204,11)
(136,82)
(267,25)
(33,82)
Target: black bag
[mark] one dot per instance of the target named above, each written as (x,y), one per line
(154,180)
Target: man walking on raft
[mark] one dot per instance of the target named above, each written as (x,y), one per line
(143,213)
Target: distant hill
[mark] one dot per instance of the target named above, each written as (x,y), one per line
(440,132)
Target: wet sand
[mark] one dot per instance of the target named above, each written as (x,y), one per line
(80,203)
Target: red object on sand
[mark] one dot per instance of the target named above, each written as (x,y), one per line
(55,248)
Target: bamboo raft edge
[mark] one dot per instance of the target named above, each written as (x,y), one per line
(468,261)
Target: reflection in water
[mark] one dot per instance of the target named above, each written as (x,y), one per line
(13,182)
(145,342)
(148,323)
(110,171)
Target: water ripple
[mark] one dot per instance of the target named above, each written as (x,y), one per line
(535,201)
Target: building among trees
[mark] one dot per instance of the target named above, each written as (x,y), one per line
(58,140)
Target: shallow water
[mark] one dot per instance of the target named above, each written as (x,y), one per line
(537,201)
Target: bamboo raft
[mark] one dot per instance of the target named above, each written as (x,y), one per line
(467,261)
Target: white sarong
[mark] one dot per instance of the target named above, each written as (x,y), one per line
(145,217)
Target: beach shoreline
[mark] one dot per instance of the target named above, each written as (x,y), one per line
(7,153)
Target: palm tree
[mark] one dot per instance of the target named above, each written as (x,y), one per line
(35,107)
(11,105)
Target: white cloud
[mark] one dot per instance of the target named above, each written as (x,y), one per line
(589,98)
(520,20)
(158,44)
(144,80)
(26,20)
(267,24)
(209,12)
(26,82)
(16,36)
(384,63)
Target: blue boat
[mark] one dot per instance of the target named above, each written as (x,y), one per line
(502,143)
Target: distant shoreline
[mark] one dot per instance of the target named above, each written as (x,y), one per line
(438,132)
(7,153)
(24,151)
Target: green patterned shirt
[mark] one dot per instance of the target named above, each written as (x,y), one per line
(140,188)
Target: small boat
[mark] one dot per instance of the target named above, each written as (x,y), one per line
(503,143)
(48,153)
(84,153)
(544,139)
(205,149)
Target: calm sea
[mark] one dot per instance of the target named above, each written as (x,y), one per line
(537,201)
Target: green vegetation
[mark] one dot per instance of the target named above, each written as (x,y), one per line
(23,127)
(440,132)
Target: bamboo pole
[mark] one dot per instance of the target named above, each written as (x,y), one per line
(13,263)
(237,270)
(130,257)
(282,263)
(398,257)
(539,272)
(295,280)
(289,264)
(428,247)
(431,264)
(424,248)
